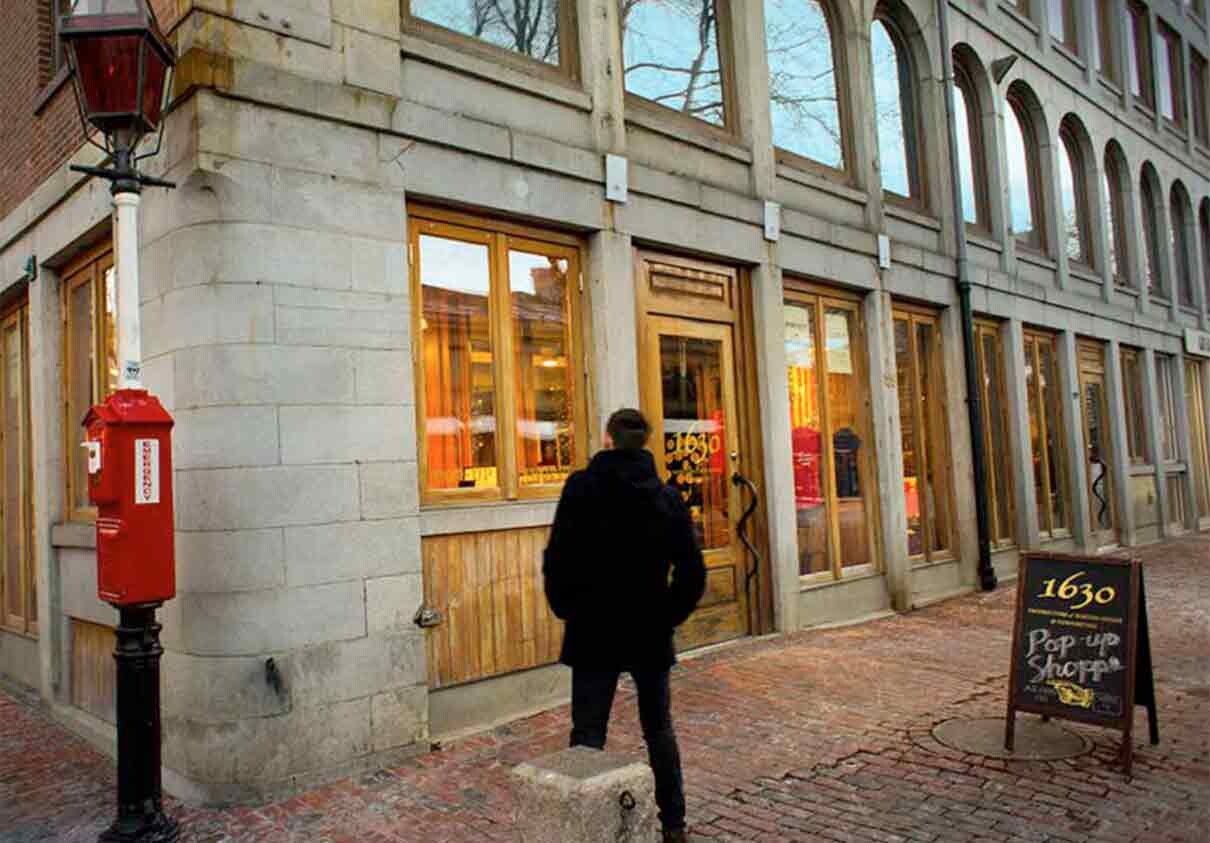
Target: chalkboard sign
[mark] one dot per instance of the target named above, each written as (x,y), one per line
(1081,648)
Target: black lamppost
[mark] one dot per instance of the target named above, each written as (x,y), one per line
(121,65)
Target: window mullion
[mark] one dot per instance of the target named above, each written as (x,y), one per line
(922,472)
(504,366)
(832,513)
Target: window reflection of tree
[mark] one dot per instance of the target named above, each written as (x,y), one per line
(672,56)
(529,27)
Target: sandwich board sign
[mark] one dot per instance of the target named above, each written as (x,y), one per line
(1081,647)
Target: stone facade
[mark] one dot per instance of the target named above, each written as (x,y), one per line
(278,330)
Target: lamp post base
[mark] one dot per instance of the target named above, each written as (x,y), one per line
(141,817)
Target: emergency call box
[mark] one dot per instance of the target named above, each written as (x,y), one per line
(128,443)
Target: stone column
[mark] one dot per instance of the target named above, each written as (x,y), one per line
(1120,450)
(1073,439)
(961,459)
(1012,334)
(887,432)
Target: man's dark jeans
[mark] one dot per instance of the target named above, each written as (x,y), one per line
(592,695)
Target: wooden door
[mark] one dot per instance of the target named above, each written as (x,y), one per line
(1199,461)
(1098,456)
(689,394)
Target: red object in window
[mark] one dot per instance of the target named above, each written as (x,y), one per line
(807,446)
(129,439)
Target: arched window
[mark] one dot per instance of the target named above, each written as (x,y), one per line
(1204,225)
(1179,218)
(1115,216)
(804,85)
(972,162)
(1149,198)
(1024,174)
(1074,193)
(896,109)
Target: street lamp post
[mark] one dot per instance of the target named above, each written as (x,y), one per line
(121,65)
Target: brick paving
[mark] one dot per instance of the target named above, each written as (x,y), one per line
(819,736)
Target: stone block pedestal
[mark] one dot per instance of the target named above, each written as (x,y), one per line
(582,795)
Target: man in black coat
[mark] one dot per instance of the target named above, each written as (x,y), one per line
(619,532)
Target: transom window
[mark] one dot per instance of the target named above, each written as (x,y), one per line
(91,364)
(926,462)
(804,85)
(996,443)
(672,56)
(831,442)
(541,30)
(1046,428)
(499,384)
(18,570)
(896,110)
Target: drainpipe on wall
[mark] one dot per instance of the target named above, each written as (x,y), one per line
(987,574)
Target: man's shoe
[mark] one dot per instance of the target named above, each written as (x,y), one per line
(678,836)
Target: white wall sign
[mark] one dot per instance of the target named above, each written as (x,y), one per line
(772,221)
(146,471)
(1197,342)
(617,180)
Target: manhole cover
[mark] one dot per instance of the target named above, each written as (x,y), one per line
(1035,740)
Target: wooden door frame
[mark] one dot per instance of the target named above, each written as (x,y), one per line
(735,309)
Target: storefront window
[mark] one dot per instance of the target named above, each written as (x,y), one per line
(825,360)
(996,445)
(1045,433)
(92,363)
(925,438)
(495,308)
(18,580)
(1132,401)
(1165,382)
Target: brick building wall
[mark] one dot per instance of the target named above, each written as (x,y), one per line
(39,123)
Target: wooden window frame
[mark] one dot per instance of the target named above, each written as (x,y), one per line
(1033,358)
(998,463)
(821,298)
(840,71)
(1140,54)
(1069,140)
(1116,199)
(1171,42)
(88,269)
(1199,80)
(916,315)
(566,71)
(729,131)
(964,85)
(911,108)
(1037,241)
(1133,408)
(500,237)
(16,312)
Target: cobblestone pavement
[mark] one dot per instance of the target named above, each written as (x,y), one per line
(819,736)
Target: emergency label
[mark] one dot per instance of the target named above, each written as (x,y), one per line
(146,471)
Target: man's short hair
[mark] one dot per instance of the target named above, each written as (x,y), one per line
(628,429)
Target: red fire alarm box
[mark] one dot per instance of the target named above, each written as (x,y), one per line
(129,445)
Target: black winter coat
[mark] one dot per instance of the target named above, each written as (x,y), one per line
(618,532)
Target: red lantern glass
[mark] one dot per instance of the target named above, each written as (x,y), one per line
(120,60)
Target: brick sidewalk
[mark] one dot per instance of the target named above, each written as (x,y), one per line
(820,736)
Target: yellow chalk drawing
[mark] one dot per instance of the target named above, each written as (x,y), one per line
(1072,694)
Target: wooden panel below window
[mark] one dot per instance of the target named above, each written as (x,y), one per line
(93,676)
(488,588)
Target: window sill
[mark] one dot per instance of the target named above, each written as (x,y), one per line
(665,121)
(919,564)
(74,534)
(830,181)
(1033,257)
(1015,13)
(1176,131)
(826,579)
(469,517)
(52,87)
(893,208)
(1140,469)
(1110,86)
(1202,147)
(1126,291)
(978,237)
(1060,535)
(1141,107)
(20,633)
(1084,272)
(1065,50)
(1174,468)
(1160,301)
(550,86)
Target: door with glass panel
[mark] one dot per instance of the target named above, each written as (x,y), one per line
(831,447)
(1098,456)
(1199,461)
(689,391)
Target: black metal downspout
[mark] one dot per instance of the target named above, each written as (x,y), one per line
(987,574)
